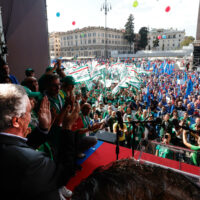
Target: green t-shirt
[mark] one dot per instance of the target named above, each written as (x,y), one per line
(105,114)
(187,120)
(164,152)
(93,100)
(194,154)
(115,101)
(121,102)
(193,126)
(56,103)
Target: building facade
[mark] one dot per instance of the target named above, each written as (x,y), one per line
(169,39)
(91,42)
(54,44)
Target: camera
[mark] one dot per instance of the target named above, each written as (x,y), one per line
(166,136)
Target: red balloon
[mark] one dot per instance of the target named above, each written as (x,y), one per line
(159,37)
(167,9)
(73,23)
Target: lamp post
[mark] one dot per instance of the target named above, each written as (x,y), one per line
(106,6)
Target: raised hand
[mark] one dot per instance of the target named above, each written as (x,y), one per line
(44,114)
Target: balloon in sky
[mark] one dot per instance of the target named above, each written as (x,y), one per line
(159,37)
(167,9)
(164,36)
(135,4)
(57,14)
(73,23)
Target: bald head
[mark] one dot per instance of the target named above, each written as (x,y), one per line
(31,83)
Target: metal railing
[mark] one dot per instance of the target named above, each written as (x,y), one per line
(176,150)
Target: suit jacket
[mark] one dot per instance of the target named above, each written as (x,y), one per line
(29,174)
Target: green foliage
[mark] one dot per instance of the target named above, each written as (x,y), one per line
(129,30)
(187,40)
(156,42)
(143,37)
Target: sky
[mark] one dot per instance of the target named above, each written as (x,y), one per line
(150,13)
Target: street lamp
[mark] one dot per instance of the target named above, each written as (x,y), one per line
(106,6)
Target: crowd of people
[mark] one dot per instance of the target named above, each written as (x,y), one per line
(66,115)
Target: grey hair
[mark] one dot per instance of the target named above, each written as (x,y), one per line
(13,103)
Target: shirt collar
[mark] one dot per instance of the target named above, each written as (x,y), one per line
(12,135)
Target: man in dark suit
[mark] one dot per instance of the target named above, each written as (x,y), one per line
(26,174)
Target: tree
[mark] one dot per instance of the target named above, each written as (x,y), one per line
(187,40)
(129,30)
(143,37)
(156,42)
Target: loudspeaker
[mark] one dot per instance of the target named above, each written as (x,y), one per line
(106,137)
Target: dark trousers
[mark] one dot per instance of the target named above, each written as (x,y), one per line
(84,143)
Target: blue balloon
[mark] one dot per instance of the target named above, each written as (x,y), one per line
(57,14)
(164,36)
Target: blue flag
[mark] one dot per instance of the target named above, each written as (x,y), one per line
(147,96)
(185,76)
(189,88)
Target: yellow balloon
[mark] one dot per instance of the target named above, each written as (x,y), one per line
(135,4)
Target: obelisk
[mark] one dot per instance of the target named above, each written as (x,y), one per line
(196,53)
(198,26)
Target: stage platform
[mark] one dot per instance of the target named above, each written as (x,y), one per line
(103,153)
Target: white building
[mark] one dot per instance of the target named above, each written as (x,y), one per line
(54,44)
(91,42)
(170,39)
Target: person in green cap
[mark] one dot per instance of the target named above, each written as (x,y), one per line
(32,88)
(29,72)
(31,83)
(92,99)
(67,86)
(52,88)
(121,101)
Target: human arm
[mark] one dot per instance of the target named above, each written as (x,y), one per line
(70,118)
(157,150)
(44,176)
(115,128)
(68,107)
(125,129)
(156,153)
(90,128)
(39,135)
(51,70)
(59,70)
(185,140)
